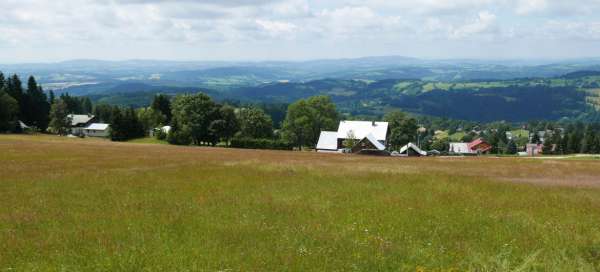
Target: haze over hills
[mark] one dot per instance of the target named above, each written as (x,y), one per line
(479,90)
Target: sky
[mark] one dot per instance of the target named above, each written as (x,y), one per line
(47,31)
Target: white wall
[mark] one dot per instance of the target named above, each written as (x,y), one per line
(96,133)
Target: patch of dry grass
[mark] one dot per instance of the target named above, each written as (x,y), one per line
(73,204)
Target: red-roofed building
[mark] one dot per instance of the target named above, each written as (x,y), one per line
(478,146)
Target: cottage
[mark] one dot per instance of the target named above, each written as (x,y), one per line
(79,122)
(97,130)
(370,135)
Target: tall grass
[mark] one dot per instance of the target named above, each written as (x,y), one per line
(78,205)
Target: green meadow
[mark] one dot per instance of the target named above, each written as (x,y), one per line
(94,205)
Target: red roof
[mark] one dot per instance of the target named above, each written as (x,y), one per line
(474,144)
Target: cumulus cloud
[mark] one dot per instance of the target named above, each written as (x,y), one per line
(361,27)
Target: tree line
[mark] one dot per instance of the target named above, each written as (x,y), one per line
(29,105)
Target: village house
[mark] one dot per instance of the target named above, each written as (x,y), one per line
(79,122)
(368,137)
(476,147)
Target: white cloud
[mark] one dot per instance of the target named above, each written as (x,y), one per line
(484,23)
(121,27)
(528,6)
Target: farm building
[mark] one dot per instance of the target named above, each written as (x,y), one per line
(369,135)
(97,130)
(478,146)
(412,150)
(79,122)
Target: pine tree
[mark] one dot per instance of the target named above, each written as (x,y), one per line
(536,138)
(38,106)
(2,81)
(87,105)
(596,149)
(14,88)
(51,98)
(573,143)
(549,144)
(162,103)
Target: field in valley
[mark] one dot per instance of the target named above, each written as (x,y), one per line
(93,205)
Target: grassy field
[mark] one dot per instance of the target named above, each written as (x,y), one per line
(93,205)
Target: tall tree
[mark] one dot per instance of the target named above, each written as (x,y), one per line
(2,81)
(196,113)
(51,97)
(403,129)
(306,119)
(535,139)
(227,125)
(255,123)
(151,118)
(125,125)
(9,111)
(86,105)
(38,106)
(59,118)
(14,88)
(162,104)
(103,113)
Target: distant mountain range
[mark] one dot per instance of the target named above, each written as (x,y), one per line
(477,90)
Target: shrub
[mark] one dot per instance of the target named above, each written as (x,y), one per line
(160,134)
(179,137)
(252,143)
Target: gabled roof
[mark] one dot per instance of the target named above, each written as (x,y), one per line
(23,125)
(361,129)
(473,145)
(98,126)
(328,140)
(415,148)
(476,142)
(77,119)
(375,142)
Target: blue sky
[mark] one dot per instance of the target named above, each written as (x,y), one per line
(41,31)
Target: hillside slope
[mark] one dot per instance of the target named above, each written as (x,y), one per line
(157,208)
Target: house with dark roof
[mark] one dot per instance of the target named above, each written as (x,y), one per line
(79,122)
